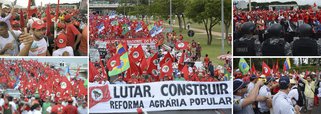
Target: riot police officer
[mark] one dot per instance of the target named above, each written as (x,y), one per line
(275,45)
(248,44)
(305,45)
(281,102)
(242,104)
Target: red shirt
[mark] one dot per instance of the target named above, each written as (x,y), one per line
(72,31)
(206,60)
(70,109)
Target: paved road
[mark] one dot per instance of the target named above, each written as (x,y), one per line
(225,111)
(316,109)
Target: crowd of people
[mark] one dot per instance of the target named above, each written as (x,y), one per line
(32,87)
(278,93)
(42,31)
(277,32)
(180,57)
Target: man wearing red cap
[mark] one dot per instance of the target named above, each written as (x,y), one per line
(72,32)
(32,20)
(61,43)
(5,18)
(70,109)
(39,45)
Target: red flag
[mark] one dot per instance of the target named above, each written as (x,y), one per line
(137,54)
(57,10)
(166,70)
(266,70)
(166,58)
(143,64)
(48,23)
(152,67)
(133,70)
(185,72)
(113,62)
(276,67)
(315,5)
(98,94)
(77,72)
(103,69)
(181,45)
(181,61)
(253,70)
(22,19)
(92,72)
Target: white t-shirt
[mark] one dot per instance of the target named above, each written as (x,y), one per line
(10,39)
(38,48)
(264,91)
(294,94)
(60,51)
(49,109)
(1,102)
(13,106)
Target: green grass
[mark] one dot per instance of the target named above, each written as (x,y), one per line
(213,50)
(216,28)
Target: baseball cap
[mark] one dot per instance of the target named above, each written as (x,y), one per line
(269,79)
(238,84)
(15,22)
(284,82)
(61,41)
(253,77)
(38,24)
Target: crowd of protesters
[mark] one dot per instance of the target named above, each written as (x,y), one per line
(40,89)
(277,93)
(170,45)
(41,37)
(277,32)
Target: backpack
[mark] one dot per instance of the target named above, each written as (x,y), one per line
(244,47)
(277,49)
(305,47)
(300,100)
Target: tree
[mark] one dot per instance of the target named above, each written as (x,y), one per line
(162,8)
(204,12)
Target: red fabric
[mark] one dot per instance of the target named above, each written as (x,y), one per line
(181,45)
(58,109)
(103,69)
(143,64)
(116,59)
(92,72)
(316,100)
(137,54)
(70,109)
(266,70)
(185,72)
(166,58)
(166,70)
(97,92)
(22,19)
(57,10)
(72,31)
(253,70)
(48,23)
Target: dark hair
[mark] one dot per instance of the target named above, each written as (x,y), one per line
(3,24)
(34,15)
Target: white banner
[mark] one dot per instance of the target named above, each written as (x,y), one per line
(169,95)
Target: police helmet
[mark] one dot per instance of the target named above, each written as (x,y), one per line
(305,30)
(248,28)
(275,30)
